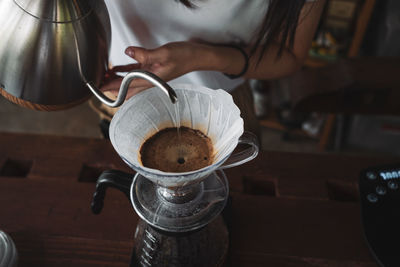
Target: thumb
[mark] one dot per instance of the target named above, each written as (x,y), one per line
(140,54)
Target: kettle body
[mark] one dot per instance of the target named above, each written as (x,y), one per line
(54,54)
(51,49)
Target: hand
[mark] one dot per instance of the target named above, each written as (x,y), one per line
(168,62)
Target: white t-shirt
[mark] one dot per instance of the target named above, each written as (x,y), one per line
(152,23)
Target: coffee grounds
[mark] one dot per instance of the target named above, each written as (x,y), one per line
(169,152)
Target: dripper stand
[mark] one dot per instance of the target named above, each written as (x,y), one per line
(182,208)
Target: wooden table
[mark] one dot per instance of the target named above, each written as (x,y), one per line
(288,209)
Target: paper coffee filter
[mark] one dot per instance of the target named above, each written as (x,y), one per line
(211,111)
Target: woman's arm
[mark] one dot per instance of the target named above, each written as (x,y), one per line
(231,61)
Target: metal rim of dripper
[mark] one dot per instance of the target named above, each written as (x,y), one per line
(205,216)
(183,195)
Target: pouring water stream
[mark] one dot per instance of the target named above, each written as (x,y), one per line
(180,159)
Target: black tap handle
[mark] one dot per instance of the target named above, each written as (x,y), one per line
(110,178)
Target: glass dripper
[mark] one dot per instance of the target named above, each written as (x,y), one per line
(181,202)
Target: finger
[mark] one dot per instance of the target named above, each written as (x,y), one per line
(142,55)
(140,83)
(110,76)
(131,91)
(125,68)
(134,91)
(113,92)
(113,84)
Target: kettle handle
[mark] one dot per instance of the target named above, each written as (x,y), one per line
(151,77)
(110,178)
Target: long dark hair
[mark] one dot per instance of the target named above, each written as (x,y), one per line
(279,24)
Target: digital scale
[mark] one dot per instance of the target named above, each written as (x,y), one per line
(380,212)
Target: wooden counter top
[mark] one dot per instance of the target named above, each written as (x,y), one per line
(288,209)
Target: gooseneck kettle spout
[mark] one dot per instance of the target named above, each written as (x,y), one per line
(54,53)
(155,80)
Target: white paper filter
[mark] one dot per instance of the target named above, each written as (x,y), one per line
(211,111)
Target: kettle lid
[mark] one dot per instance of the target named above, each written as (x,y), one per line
(59,11)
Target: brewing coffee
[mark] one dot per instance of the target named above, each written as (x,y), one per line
(171,151)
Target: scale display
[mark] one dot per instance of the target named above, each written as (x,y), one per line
(387,175)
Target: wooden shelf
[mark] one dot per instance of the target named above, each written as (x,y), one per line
(362,20)
(272,122)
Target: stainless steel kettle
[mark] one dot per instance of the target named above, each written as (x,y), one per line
(54,52)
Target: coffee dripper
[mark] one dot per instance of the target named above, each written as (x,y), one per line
(180,223)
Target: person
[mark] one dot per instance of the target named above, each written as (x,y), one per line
(213,43)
